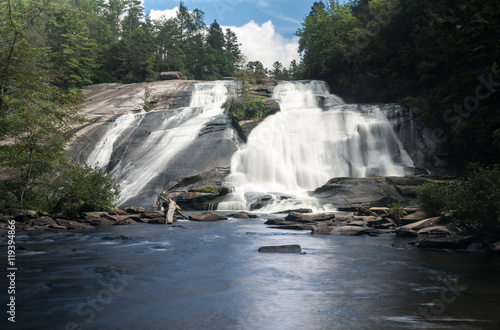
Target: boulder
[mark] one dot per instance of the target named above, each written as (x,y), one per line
(406,232)
(293,226)
(275,222)
(125,222)
(346,192)
(380,210)
(495,247)
(19,215)
(359,223)
(321,229)
(305,218)
(447,242)
(172,75)
(408,191)
(42,221)
(374,221)
(95,221)
(69,224)
(134,210)
(423,223)
(243,215)
(153,215)
(414,217)
(57,227)
(281,249)
(272,106)
(366,212)
(435,230)
(348,230)
(207,216)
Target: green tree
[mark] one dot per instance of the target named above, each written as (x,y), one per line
(473,202)
(277,71)
(71,45)
(233,51)
(34,110)
(169,53)
(84,189)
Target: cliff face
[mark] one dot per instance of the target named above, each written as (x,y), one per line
(153,135)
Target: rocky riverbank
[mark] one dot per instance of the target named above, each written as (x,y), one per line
(430,233)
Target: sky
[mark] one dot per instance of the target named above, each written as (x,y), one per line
(265,28)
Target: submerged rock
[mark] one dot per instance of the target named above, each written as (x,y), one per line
(293,225)
(294,248)
(117,238)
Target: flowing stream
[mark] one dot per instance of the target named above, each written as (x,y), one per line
(315,137)
(210,276)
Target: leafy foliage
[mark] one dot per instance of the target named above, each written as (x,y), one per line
(244,105)
(474,201)
(38,102)
(85,189)
(397,210)
(434,198)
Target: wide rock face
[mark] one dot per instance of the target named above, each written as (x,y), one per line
(376,191)
(157,137)
(426,147)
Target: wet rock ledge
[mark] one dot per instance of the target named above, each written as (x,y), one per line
(29,220)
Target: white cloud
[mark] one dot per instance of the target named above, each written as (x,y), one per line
(167,13)
(262,43)
(262,3)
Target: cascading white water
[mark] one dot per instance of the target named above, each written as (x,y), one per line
(101,155)
(142,164)
(304,145)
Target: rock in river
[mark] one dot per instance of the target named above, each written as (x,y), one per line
(294,248)
(207,216)
(305,218)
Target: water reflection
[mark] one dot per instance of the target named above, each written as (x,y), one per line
(210,276)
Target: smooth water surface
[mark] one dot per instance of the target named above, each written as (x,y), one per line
(210,276)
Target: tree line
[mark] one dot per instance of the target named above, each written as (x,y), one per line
(439,55)
(96,41)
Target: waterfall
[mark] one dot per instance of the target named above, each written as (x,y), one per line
(101,155)
(138,148)
(314,138)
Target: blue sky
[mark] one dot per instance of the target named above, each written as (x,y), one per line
(286,15)
(265,28)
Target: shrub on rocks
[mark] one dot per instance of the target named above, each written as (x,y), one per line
(473,202)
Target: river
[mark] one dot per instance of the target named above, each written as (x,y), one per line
(210,276)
